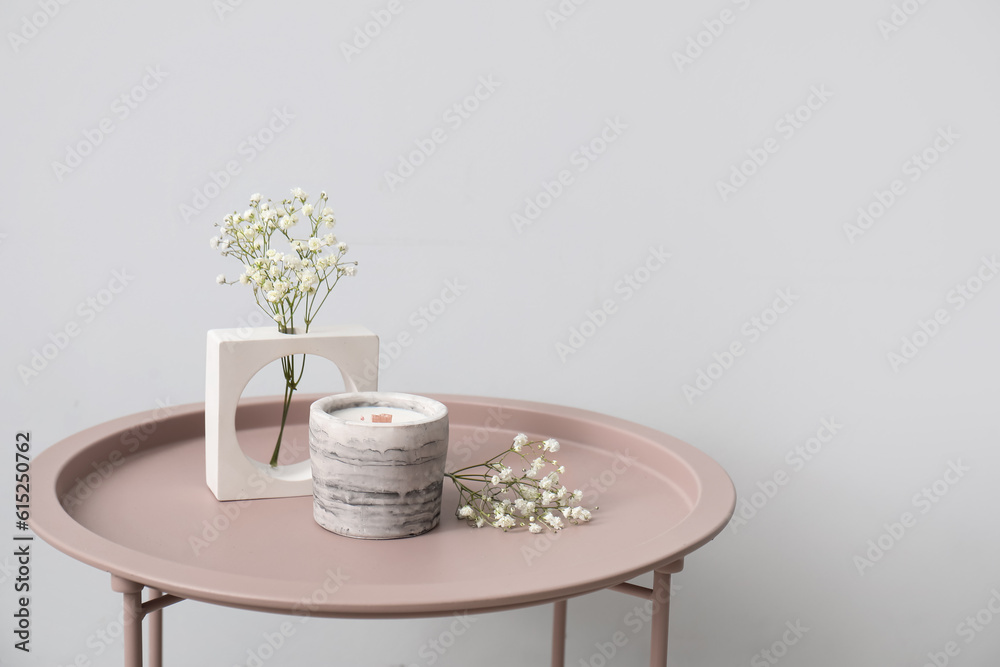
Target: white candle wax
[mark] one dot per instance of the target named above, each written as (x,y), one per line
(374,414)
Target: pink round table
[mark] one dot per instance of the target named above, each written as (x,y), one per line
(129,497)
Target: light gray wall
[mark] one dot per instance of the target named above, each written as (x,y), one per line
(886,94)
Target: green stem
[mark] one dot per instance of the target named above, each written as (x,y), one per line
(289,390)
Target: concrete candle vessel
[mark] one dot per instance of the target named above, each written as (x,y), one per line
(377,463)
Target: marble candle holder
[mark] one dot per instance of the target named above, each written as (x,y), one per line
(374,478)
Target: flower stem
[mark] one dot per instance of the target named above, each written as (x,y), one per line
(288,366)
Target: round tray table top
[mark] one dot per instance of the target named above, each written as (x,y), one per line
(129,497)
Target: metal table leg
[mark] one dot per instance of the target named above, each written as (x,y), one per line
(135,611)
(132,620)
(155,632)
(661,613)
(559,634)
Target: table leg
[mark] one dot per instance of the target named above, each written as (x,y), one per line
(155,632)
(559,634)
(661,619)
(132,620)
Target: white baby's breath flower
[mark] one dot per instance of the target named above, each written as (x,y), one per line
(299,193)
(314,244)
(548,497)
(552,520)
(255,198)
(341,247)
(307,209)
(551,445)
(535,527)
(480,522)
(221,278)
(214,242)
(520,440)
(244,279)
(350,270)
(578,495)
(466,511)
(307,281)
(504,522)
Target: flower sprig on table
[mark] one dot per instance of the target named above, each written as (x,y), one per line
(533,498)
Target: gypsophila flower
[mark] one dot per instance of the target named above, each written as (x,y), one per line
(221,278)
(299,193)
(493,494)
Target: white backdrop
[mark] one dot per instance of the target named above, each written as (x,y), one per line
(822,178)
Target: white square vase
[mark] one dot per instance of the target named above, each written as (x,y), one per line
(234,356)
